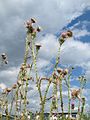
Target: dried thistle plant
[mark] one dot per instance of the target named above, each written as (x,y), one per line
(19,90)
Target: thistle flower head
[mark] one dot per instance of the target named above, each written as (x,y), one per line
(69,33)
(29,26)
(65,35)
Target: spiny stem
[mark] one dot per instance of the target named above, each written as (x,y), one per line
(61,98)
(36,71)
(69,95)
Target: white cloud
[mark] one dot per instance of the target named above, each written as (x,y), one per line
(75,53)
(52,14)
(49,46)
(80,33)
(9,76)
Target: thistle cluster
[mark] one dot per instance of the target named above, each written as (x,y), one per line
(4,58)
(19,103)
(30,29)
(64,36)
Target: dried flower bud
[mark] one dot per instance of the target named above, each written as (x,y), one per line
(59,70)
(27,102)
(6,62)
(29,78)
(75,93)
(23,66)
(28,66)
(38,46)
(3,56)
(65,72)
(33,20)
(39,29)
(14,86)
(72,106)
(69,33)
(25,78)
(29,26)
(8,90)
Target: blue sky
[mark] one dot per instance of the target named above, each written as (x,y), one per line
(54,16)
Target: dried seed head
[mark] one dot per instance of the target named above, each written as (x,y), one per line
(25,78)
(75,93)
(39,29)
(6,62)
(59,70)
(29,78)
(14,86)
(33,20)
(23,66)
(72,106)
(29,26)
(27,102)
(8,90)
(38,46)
(4,57)
(65,72)
(69,33)
(29,65)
